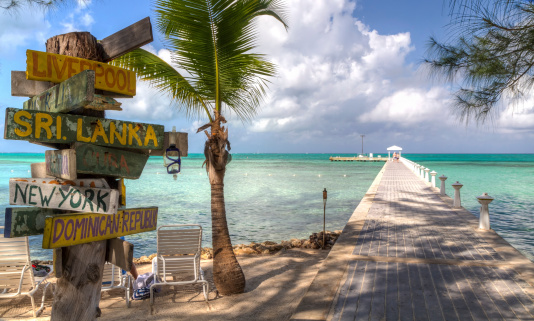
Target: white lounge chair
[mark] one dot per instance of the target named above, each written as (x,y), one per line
(114,279)
(16,273)
(178,256)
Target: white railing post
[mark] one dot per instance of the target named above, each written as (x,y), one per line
(422,172)
(433,180)
(442,178)
(484,200)
(426,175)
(457,202)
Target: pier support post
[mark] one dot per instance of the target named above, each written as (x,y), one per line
(422,172)
(484,200)
(457,202)
(442,178)
(433,180)
(426,175)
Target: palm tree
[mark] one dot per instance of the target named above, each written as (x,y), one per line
(211,41)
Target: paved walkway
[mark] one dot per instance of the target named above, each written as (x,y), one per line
(408,255)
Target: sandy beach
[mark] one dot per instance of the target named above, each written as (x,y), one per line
(275,285)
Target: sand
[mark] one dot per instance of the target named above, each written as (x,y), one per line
(275,285)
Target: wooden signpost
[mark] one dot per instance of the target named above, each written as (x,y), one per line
(45,66)
(80,218)
(66,128)
(63,197)
(68,230)
(71,95)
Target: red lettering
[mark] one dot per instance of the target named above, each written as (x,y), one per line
(119,73)
(109,83)
(36,71)
(59,72)
(71,71)
(124,164)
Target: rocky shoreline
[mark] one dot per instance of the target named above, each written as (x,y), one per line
(315,241)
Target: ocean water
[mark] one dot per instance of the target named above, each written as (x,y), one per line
(279,196)
(269,197)
(505,177)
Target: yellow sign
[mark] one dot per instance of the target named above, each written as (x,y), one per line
(72,229)
(56,68)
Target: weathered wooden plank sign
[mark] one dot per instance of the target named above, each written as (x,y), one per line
(92,159)
(84,182)
(61,163)
(68,230)
(120,253)
(71,95)
(25,221)
(65,128)
(22,87)
(127,39)
(63,197)
(45,66)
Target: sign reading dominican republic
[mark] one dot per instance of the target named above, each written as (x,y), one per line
(56,68)
(28,192)
(59,128)
(68,230)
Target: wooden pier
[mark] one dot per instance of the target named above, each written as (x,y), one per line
(357,159)
(406,254)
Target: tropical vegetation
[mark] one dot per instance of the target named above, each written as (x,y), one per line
(213,72)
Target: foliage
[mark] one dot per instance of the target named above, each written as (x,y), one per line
(492,56)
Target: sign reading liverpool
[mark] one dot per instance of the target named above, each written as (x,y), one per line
(56,68)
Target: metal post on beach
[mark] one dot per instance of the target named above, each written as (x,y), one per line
(324,217)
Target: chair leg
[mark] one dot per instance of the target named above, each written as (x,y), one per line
(206,289)
(128,292)
(151,294)
(33,306)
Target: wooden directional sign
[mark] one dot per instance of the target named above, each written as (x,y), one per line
(45,66)
(63,197)
(127,39)
(75,93)
(25,221)
(61,163)
(22,87)
(93,159)
(65,128)
(68,230)
(120,253)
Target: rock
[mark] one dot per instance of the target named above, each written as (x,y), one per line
(268,243)
(245,251)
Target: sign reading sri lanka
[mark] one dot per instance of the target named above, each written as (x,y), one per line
(59,128)
(56,68)
(68,230)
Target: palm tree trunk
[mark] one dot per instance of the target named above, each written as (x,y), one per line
(227,273)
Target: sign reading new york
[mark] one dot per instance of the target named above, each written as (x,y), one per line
(56,68)
(47,127)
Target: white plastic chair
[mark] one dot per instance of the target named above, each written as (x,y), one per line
(16,273)
(178,256)
(114,279)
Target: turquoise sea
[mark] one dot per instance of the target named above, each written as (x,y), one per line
(279,196)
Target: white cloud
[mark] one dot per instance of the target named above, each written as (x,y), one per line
(20,28)
(410,106)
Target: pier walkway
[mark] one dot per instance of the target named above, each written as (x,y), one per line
(406,254)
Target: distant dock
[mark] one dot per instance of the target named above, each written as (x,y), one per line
(357,159)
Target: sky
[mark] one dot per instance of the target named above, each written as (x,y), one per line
(346,68)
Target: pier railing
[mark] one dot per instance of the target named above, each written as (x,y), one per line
(430,179)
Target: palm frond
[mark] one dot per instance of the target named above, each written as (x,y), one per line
(166,79)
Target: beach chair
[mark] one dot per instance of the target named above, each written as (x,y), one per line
(178,257)
(114,279)
(16,273)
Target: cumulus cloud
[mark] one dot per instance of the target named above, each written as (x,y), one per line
(19,28)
